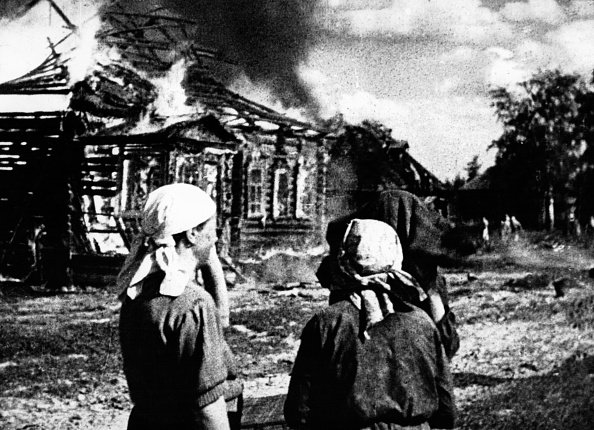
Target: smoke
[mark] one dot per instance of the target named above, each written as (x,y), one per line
(267,40)
(28,28)
(13,9)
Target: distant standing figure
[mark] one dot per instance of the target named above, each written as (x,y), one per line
(589,236)
(516,227)
(573,225)
(486,237)
(506,228)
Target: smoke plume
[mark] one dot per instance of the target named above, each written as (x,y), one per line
(266,39)
(11,9)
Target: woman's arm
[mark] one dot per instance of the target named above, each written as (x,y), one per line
(214,283)
(445,320)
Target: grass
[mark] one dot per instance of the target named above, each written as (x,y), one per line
(526,360)
(57,346)
(273,329)
(562,398)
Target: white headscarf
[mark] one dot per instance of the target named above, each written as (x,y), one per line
(169,210)
(371,256)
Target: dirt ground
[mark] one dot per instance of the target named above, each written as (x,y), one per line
(526,360)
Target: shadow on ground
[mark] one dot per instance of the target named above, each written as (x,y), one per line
(560,399)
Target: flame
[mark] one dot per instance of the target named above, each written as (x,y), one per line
(145,125)
(32,30)
(171,102)
(87,49)
(171,96)
(26,41)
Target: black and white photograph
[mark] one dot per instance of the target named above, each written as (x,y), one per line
(296,214)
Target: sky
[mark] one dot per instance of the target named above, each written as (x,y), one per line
(421,67)
(424,67)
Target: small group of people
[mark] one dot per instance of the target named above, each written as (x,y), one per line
(510,228)
(377,357)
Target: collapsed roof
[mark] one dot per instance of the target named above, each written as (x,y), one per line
(116,93)
(148,45)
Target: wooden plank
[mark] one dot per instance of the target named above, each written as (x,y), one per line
(154,16)
(37,114)
(98,168)
(102,183)
(101,159)
(62,15)
(43,125)
(99,192)
(263,412)
(140,43)
(118,32)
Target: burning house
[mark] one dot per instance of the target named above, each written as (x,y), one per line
(75,176)
(148,110)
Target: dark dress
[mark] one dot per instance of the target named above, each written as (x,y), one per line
(398,377)
(427,243)
(174,356)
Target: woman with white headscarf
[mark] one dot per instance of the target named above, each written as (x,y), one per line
(171,336)
(371,359)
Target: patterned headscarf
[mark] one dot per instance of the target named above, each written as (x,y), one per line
(371,257)
(169,210)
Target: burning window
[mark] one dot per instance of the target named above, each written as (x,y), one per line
(188,168)
(143,175)
(209,180)
(306,183)
(281,197)
(255,192)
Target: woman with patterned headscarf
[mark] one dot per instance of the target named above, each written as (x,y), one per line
(427,241)
(371,359)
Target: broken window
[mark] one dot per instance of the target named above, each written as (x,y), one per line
(188,168)
(255,192)
(209,180)
(306,184)
(143,175)
(281,197)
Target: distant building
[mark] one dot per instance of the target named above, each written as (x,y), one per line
(365,159)
(480,198)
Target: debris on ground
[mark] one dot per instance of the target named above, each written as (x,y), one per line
(529,282)
(471,277)
(526,359)
(561,285)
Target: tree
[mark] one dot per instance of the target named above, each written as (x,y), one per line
(539,152)
(585,179)
(472,168)
(454,184)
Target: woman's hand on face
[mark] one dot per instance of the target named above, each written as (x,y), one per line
(436,305)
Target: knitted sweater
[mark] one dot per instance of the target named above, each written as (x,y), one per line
(173,352)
